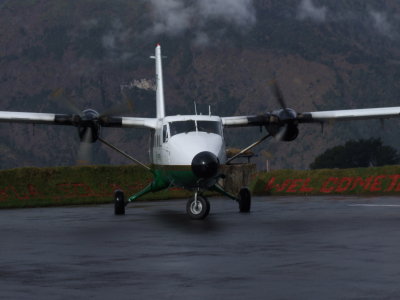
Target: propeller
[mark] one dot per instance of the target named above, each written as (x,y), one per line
(64,101)
(85,149)
(89,122)
(125,106)
(282,123)
(276,91)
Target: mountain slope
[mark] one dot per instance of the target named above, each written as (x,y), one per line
(325,55)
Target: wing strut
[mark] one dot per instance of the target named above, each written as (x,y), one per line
(123,153)
(248,148)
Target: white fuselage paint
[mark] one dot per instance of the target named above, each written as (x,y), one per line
(181,148)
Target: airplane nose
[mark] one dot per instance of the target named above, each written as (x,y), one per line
(205,165)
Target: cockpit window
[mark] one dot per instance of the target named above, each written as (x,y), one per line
(182,127)
(208,126)
(190,126)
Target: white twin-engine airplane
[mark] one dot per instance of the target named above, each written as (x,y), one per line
(187,150)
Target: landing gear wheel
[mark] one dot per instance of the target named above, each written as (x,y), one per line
(244,199)
(119,202)
(199,209)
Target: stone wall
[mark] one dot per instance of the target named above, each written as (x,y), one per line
(237,176)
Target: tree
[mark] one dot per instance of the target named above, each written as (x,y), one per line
(357,154)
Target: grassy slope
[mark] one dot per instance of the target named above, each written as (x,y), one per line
(31,187)
(28,187)
(379,180)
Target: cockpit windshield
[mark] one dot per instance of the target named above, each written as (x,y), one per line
(181,127)
(208,126)
(192,125)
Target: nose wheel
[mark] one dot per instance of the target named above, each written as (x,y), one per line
(198,207)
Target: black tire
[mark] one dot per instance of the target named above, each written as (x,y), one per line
(244,199)
(119,202)
(200,211)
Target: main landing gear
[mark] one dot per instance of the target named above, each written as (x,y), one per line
(244,200)
(198,207)
(119,203)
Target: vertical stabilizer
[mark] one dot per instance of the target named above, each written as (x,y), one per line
(159,84)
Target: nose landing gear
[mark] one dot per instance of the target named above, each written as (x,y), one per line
(198,207)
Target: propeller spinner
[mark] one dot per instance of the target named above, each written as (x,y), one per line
(282,123)
(89,126)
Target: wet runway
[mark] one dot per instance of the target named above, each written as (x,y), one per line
(286,248)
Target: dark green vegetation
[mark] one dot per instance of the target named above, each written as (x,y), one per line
(360,181)
(347,57)
(357,154)
(30,187)
(33,187)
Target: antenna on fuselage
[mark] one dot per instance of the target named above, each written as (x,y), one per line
(195,108)
(209,110)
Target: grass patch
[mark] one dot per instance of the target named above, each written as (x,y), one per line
(359,181)
(35,187)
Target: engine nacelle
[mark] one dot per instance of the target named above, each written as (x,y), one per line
(283,124)
(287,132)
(291,133)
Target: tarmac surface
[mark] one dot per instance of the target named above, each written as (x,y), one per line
(286,248)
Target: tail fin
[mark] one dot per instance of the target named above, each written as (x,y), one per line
(159,84)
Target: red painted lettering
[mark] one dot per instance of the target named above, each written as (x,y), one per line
(368,182)
(393,183)
(305,188)
(270,184)
(82,190)
(376,186)
(283,186)
(357,182)
(344,184)
(65,190)
(332,181)
(33,191)
(3,194)
(397,188)
(293,185)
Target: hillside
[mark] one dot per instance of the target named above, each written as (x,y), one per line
(325,55)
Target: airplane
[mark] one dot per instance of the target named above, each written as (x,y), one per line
(187,151)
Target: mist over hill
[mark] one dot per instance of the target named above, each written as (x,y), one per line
(325,54)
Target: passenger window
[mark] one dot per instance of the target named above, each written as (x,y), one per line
(165,134)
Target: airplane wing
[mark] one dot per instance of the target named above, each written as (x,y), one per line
(350,114)
(76,120)
(280,116)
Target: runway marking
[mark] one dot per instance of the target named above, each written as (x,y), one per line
(376,205)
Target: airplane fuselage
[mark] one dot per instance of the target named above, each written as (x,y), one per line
(176,143)
(178,139)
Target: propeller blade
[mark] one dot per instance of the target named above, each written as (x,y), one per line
(65,102)
(276,91)
(281,133)
(85,149)
(122,108)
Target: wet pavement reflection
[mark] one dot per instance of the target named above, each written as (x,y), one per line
(286,248)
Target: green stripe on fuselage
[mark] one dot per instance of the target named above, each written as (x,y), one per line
(166,176)
(177,175)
